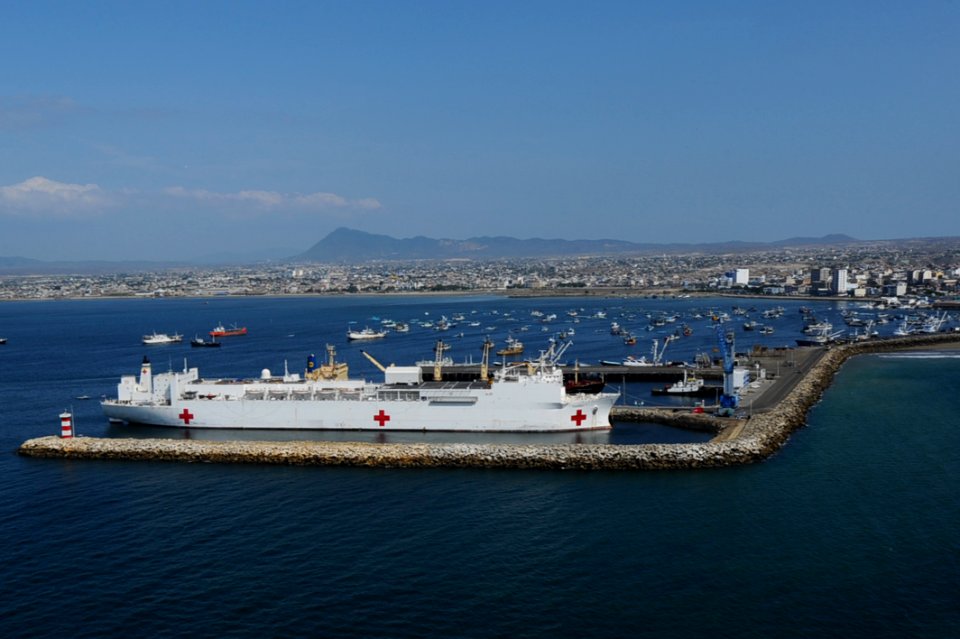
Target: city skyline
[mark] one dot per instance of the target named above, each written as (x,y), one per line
(183,131)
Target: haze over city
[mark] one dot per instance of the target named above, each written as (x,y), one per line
(184,130)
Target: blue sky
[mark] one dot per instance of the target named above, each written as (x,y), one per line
(169,131)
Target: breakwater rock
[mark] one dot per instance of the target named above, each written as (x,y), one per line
(765,433)
(558,457)
(753,440)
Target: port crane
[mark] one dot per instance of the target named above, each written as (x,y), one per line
(658,354)
(729,400)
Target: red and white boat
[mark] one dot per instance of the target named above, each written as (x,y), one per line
(221,331)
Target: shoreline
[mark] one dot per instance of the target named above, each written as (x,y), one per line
(739,441)
(573,293)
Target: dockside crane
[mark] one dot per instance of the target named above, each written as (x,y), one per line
(729,400)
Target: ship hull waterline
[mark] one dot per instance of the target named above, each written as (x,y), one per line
(580,414)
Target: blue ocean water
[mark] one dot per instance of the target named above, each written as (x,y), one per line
(849,531)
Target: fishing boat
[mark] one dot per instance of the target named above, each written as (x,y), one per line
(513,347)
(592,384)
(161,338)
(822,338)
(199,342)
(366,333)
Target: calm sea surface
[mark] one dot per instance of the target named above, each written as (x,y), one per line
(851,530)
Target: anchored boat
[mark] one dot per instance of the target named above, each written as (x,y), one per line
(522,397)
(162,338)
(221,331)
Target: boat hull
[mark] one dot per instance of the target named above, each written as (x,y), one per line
(520,398)
(580,412)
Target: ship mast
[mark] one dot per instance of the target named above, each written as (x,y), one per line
(485,360)
(437,363)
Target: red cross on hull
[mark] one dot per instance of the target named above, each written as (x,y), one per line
(579,417)
(186,416)
(381,418)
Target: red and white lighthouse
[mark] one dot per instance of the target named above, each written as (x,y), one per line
(66,425)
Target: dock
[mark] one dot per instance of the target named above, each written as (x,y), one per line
(769,414)
(470,372)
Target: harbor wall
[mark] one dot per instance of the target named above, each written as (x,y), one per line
(755,438)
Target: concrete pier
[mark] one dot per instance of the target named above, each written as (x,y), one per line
(738,441)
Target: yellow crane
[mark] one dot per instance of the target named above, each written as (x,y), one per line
(383,369)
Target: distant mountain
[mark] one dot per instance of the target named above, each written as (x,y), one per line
(834,238)
(349,245)
(17,262)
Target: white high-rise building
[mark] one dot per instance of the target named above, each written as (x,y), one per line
(839,283)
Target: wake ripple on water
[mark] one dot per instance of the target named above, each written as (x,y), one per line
(921,355)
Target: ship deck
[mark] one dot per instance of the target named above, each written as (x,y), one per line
(453,385)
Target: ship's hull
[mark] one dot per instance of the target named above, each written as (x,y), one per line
(521,398)
(485,414)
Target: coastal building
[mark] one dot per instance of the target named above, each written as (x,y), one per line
(838,284)
(894,289)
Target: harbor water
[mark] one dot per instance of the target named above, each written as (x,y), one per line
(849,531)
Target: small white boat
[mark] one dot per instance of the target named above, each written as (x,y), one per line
(628,361)
(689,385)
(366,333)
(162,338)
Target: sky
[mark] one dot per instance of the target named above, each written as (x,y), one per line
(185,130)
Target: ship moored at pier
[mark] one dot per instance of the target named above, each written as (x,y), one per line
(524,397)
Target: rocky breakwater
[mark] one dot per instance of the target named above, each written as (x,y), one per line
(765,433)
(755,439)
(549,457)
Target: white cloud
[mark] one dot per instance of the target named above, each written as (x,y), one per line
(273,200)
(42,196)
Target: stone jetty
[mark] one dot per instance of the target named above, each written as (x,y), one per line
(739,441)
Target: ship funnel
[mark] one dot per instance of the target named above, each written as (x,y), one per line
(146,376)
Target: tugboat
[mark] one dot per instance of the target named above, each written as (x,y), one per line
(689,385)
